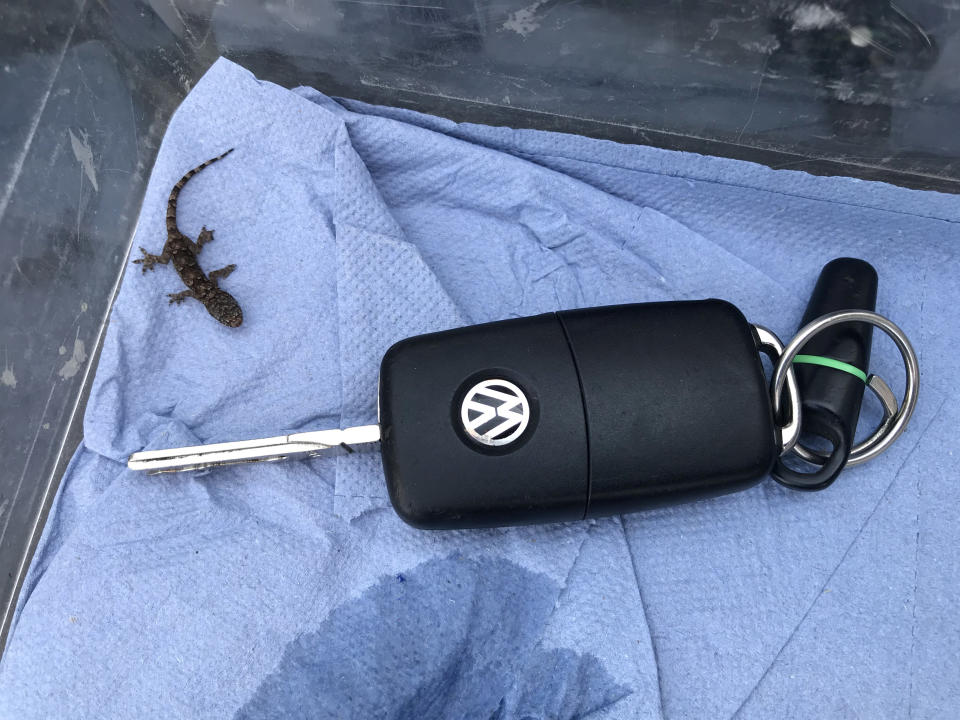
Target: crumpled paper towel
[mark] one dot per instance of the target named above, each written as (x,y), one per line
(293,590)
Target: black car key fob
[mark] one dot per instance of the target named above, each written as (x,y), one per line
(575,414)
(607,410)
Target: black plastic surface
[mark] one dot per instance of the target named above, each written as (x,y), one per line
(676,403)
(831,398)
(438,478)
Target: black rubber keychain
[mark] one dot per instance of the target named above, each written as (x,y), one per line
(835,337)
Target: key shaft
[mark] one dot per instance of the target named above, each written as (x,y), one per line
(272,449)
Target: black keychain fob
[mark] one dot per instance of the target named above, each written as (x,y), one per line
(832,397)
(575,414)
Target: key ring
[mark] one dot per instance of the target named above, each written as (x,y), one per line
(895,421)
(772,347)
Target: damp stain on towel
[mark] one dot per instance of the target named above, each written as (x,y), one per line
(456,637)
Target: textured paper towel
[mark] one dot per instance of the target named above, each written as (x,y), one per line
(293,590)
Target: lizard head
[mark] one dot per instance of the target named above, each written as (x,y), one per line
(225,308)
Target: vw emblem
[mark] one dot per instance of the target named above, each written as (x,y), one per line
(495,412)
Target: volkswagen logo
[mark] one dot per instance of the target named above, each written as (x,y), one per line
(495,412)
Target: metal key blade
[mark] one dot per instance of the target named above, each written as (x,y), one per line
(282,447)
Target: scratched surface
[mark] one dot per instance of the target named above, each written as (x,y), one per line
(86,88)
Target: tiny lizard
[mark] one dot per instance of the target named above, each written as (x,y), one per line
(183,252)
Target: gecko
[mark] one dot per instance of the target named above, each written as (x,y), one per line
(183,252)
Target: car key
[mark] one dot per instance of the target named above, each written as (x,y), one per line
(561,416)
(577,414)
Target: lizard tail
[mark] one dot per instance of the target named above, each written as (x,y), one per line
(175,193)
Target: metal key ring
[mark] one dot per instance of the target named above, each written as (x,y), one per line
(772,347)
(892,428)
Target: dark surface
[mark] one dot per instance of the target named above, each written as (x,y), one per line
(87,87)
(676,403)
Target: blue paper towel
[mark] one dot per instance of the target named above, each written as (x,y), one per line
(293,590)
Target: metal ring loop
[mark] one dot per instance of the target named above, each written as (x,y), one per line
(889,430)
(771,346)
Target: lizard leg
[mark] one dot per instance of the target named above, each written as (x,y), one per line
(205,236)
(177,298)
(149,259)
(221,273)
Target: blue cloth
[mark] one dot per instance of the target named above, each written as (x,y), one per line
(293,590)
